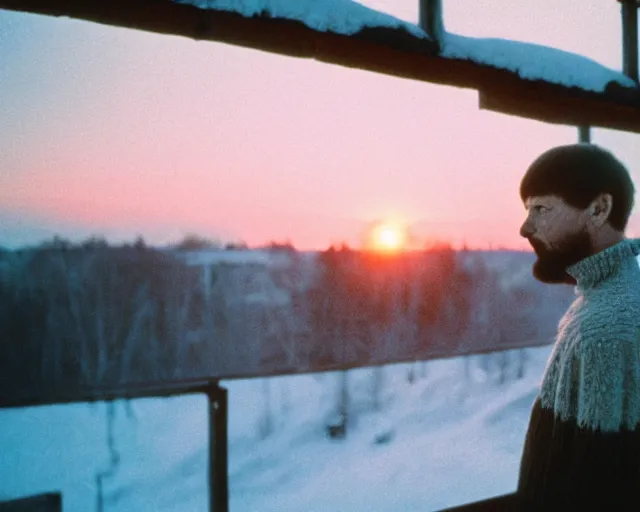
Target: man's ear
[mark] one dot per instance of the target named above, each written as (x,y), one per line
(600,209)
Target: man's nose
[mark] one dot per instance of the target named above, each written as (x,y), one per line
(527,230)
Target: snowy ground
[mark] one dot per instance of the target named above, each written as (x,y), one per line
(452,440)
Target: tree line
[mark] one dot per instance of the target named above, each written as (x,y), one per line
(100,316)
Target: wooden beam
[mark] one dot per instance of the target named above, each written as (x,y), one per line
(500,90)
(559,105)
(394,52)
(275,35)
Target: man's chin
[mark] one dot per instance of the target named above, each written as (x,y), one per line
(551,274)
(551,266)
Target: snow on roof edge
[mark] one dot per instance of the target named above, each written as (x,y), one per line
(345,17)
(535,62)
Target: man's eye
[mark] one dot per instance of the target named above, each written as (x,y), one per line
(540,209)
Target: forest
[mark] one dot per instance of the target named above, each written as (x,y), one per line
(95,316)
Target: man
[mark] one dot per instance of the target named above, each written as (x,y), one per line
(582,447)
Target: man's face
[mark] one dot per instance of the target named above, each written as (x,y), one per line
(559,236)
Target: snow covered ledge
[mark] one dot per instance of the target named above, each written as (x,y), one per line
(513,78)
(343,17)
(348,17)
(535,62)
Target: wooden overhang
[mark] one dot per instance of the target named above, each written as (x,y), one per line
(392,51)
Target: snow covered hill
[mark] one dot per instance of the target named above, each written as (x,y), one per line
(452,436)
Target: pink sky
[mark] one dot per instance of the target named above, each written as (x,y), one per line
(119,132)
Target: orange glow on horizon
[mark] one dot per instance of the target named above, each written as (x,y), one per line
(387,237)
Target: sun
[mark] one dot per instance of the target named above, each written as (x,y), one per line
(388,237)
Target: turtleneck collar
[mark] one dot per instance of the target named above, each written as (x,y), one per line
(590,271)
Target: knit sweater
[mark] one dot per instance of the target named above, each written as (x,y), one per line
(582,447)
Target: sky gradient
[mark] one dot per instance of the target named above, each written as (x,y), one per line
(119,132)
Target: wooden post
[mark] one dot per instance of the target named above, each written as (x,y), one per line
(630,37)
(218,449)
(431,19)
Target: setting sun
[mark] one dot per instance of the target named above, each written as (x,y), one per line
(388,237)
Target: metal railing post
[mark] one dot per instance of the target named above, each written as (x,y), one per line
(630,38)
(584,134)
(218,448)
(431,19)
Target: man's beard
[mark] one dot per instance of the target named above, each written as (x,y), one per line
(551,265)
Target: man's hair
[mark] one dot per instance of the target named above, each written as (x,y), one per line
(578,173)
